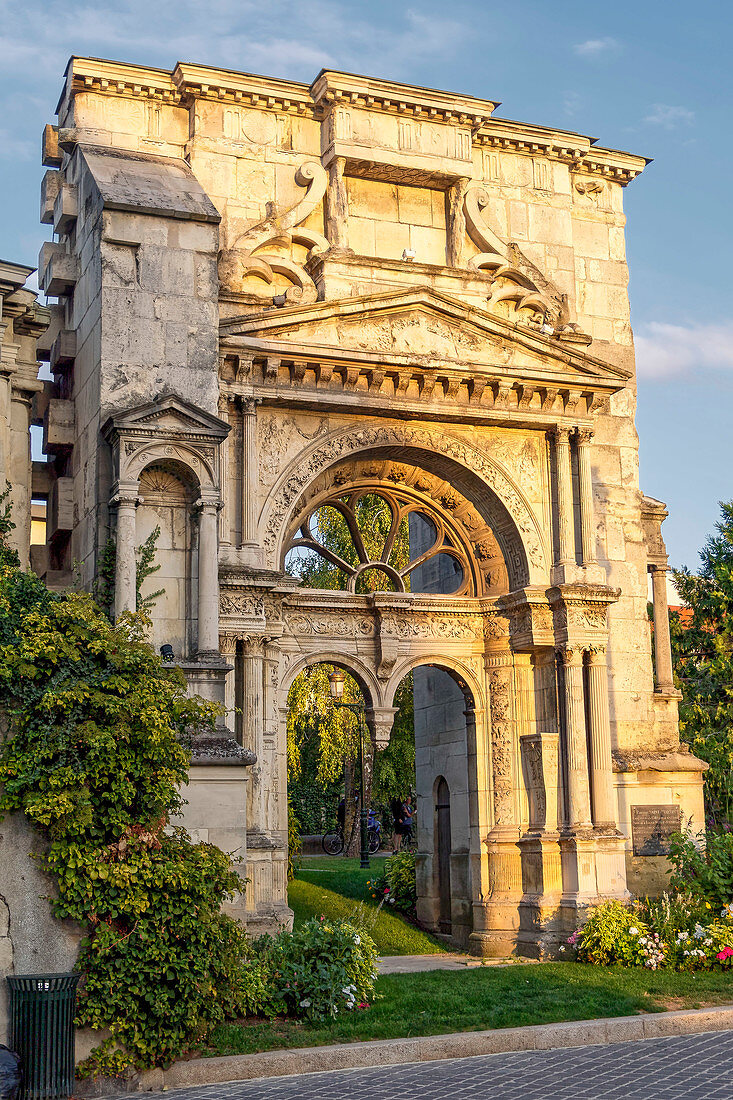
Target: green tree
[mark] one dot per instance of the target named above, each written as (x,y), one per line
(702,645)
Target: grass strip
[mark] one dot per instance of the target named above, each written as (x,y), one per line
(439,1002)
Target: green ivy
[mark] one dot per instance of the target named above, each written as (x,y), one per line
(95,757)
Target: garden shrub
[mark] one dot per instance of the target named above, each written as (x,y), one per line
(611,934)
(672,931)
(703,866)
(94,757)
(324,968)
(396,886)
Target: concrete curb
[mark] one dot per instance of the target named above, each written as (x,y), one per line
(384,1052)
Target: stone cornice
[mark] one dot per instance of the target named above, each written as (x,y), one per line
(404,99)
(188,82)
(200,81)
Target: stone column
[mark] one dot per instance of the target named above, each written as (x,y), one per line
(577,751)
(228,650)
(456,222)
(662,641)
(587,525)
(337,205)
(604,802)
(225,523)
(566,541)
(250,475)
(253,726)
(125,565)
(208,602)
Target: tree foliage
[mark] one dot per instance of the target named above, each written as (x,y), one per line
(702,646)
(321,737)
(94,757)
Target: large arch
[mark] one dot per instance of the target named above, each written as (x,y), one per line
(475,474)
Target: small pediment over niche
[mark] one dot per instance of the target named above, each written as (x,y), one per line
(169,415)
(419,327)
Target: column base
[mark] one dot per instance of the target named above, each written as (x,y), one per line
(593,869)
(496,919)
(541,924)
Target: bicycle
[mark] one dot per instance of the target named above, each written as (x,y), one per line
(333,843)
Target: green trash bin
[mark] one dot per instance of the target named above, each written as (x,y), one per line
(42,1008)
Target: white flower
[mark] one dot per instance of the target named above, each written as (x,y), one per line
(562,948)
(357,940)
(305,1004)
(633,931)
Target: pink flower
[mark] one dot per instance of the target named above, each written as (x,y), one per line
(725,953)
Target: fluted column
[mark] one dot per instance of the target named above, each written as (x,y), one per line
(250,478)
(566,540)
(577,749)
(253,726)
(587,524)
(225,523)
(662,640)
(208,602)
(125,566)
(604,800)
(228,650)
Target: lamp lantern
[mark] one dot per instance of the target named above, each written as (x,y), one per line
(336,682)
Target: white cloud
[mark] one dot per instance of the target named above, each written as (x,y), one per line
(664,350)
(663,114)
(595,47)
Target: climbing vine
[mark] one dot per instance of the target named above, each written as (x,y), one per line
(95,757)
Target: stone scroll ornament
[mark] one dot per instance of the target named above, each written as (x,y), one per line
(514,278)
(253,257)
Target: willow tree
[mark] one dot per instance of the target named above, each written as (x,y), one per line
(314,723)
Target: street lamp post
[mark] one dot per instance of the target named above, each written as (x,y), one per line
(336,683)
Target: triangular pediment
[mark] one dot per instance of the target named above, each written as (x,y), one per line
(168,414)
(419,326)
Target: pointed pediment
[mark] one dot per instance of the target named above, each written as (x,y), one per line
(169,414)
(419,326)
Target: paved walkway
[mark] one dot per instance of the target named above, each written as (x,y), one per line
(693,1067)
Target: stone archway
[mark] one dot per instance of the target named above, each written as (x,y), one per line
(478,476)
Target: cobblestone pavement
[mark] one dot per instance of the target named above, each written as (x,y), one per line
(696,1067)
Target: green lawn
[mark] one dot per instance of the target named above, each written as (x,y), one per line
(488,997)
(333,887)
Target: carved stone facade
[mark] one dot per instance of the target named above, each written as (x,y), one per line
(275,297)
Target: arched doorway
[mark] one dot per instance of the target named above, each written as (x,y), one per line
(443,732)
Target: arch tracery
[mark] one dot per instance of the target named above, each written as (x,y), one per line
(474,474)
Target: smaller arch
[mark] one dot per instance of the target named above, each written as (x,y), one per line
(457,669)
(195,466)
(364,676)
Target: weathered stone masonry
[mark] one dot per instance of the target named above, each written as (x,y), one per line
(272,296)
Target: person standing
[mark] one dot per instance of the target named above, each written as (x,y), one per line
(398,817)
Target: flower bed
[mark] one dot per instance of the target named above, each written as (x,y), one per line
(397,885)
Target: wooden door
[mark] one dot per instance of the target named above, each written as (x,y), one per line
(443,846)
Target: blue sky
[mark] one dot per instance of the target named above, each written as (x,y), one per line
(648,76)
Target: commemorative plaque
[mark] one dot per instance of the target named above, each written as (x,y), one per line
(651,828)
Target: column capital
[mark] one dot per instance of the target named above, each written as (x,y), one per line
(584,436)
(658,567)
(597,654)
(249,405)
(561,434)
(571,656)
(208,503)
(125,496)
(228,644)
